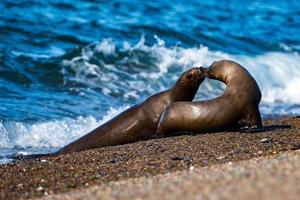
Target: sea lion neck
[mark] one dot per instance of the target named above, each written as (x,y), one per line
(182,92)
(222,77)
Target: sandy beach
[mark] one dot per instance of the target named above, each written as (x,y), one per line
(145,161)
(270,177)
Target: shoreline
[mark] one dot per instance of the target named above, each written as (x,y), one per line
(53,175)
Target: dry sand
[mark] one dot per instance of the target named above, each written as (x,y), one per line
(275,177)
(144,159)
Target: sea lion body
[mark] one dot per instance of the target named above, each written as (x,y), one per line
(236,107)
(140,121)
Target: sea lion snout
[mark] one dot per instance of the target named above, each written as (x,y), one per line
(204,71)
(201,75)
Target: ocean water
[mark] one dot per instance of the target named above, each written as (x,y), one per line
(67,66)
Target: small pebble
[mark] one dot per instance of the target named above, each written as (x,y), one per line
(187,160)
(266,140)
(295,147)
(43,160)
(176,158)
(221,157)
(40,188)
(191,168)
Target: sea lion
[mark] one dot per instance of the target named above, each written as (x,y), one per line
(140,121)
(237,107)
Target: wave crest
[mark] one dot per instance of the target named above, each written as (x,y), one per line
(147,69)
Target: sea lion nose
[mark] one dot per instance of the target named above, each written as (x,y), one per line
(201,68)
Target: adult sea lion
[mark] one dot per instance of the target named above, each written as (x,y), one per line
(140,121)
(236,107)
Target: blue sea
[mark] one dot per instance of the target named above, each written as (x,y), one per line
(67,66)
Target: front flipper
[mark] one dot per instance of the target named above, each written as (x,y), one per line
(251,122)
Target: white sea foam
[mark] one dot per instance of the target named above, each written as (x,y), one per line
(56,133)
(106,47)
(277,73)
(4,140)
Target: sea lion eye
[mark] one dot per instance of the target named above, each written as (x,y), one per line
(189,75)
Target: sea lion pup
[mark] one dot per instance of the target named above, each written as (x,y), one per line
(140,121)
(237,107)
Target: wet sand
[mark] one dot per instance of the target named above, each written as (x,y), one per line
(49,175)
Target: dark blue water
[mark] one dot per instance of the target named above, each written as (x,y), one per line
(68,66)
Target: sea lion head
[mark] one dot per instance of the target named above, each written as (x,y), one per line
(187,85)
(219,70)
(193,76)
